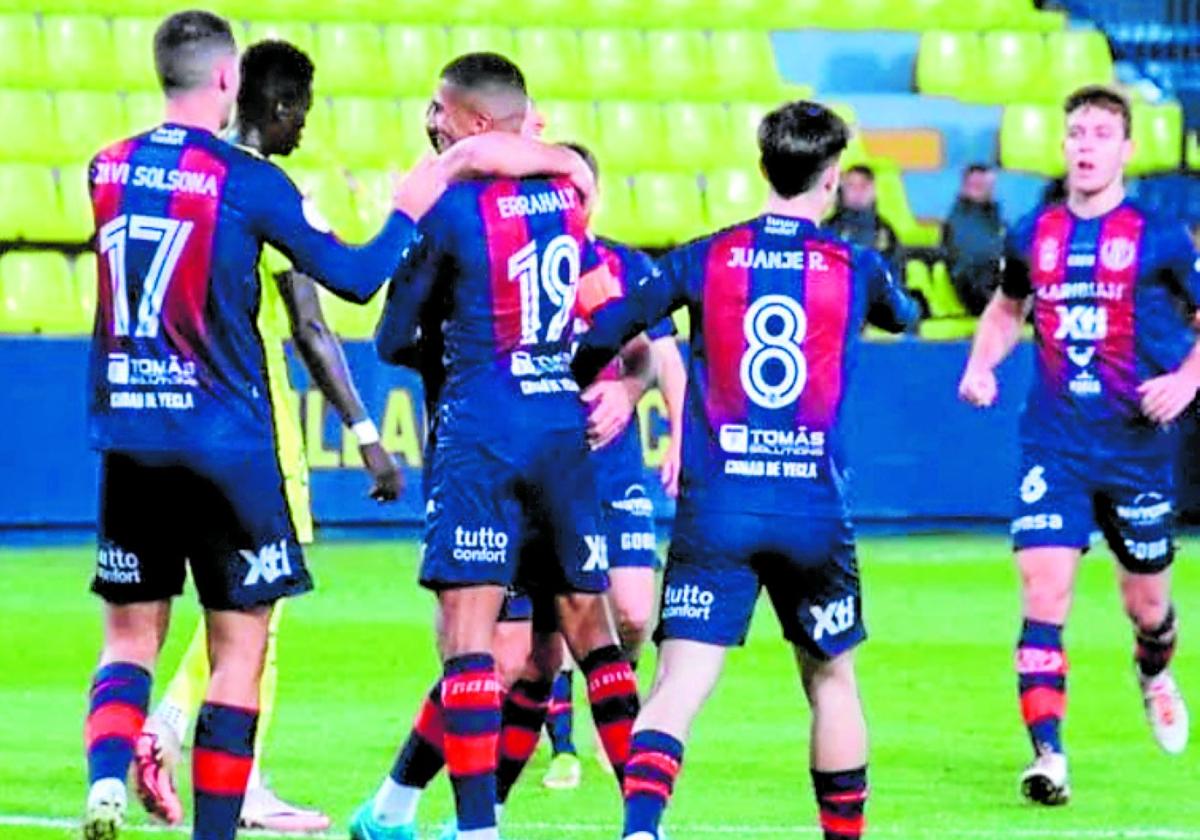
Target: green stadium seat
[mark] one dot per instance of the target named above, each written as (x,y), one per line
(604,13)
(680,62)
(569,121)
(1193,150)
(143,111)
(668,207)
(1157,138)
(943,299)
(414,142)
(22,60)
(83,271)
(366,132)
(1075,59)
(1031,139)
(133,44)
(474,12)
(744,67)
(79,53)
(918,279)
(29,132)
(330,192)
(372,195)
(551,61)
(892,200)
(952,328)
(77,222)
(614,215)
(697,136)
(350,58)
(631,136)
(692,14)
(542,12)
(30,210)
(744,119)
(734,195)
(296,32)
(614,63)
(38,293)
(318,143)
(497,39)
(415,57)
(87,122)
(948,63)
(1013,66)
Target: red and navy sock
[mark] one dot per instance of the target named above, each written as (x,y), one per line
(654,762)
(222,756)
(560,723)
(421,758)
(1042,682)
(613,693)
(1154,648)
(842,798)
(521,721)
(471,715)
(117,708)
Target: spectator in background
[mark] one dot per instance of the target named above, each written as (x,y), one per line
(973,239)
(858,221)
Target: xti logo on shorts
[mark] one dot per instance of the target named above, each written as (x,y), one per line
(115,565)
(688,602)
(481,545)
(268,564)
(597,560)
(833,619)
(1033,486)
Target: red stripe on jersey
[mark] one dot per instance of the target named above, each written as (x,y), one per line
(220,773)
(183,309)
(1048,267)
(828,280)
(114,720)
(107,199)
(726,292)
(505,237)
(1118,263)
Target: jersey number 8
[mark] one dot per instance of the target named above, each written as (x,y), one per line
(526,268)
(171,236)
(774,327)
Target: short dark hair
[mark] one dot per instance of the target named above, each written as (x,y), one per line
(183,47)
(863,170)
(974,168)
(798,141)
(585,153)
(272,72)
(1103,97)
(482,70)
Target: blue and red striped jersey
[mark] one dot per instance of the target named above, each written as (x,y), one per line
(177,363)
(1112,302)
(498,268)
(776,308)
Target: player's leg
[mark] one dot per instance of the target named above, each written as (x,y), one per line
(169,721)
(1147,600)
(528,702)
(565,772)
(632,554)
(633,603)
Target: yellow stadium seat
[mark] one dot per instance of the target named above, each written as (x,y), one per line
(143,111)
(744,67)
(79,52)
(1157,138)
(1013,66)
(744,119)
(550,59)
(601,13)
(37,293)
(372,195)
(570,121)
(614,216)
(948,63)
(614,63)
(29,132)
(76,203)
(753,14)
(668,208)
(298,33)
(415,57)
(414,141)
(734,195)
(693,14)
(474,12)
(1075,59)
(697,136)
(318,143)
(133,50)
(1193,150)
(952,328)
(893,205)
(943,299)
(366,131)
(1031,139)
(631,136)
(22,60)
(84,278)
(350,59)
(680,62)
(87,122)
(468,39)
(31,210)
(542,12)
(329,190)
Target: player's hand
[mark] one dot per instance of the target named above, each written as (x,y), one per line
(584,181)
(668,473)
(1165,397)
(978,387)
(385,473)
(417,191)
(610,408)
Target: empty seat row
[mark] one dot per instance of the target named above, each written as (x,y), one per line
(45,292)
(1011,66)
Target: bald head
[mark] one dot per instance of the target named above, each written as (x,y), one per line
(193,51)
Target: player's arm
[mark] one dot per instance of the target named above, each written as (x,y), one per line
(506,155)
(890,307)
(397,337)
(323,356)
(672,381)
(1165,397)
(278,213)
(612,404)
(998,332)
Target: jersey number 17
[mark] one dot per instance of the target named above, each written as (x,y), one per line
(114,237)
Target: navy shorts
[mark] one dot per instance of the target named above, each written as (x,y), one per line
(517,606)
(224,513)
(1063,499)
(628,511)
(484,505)
(718,564)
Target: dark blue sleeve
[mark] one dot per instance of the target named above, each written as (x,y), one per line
(648,299)
(278,214)
(1178,263)
(639,264)
(889,306)
(1015,279)
(411,288)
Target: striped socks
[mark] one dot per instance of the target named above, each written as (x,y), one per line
(1042,682)
(613,693)
(420,759)
(117,708)
(654,762)
(1155,648)
(561,721)
(842,798)
(524,713)
(471,716)
(222,757)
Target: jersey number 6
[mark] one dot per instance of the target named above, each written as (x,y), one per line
(171,236)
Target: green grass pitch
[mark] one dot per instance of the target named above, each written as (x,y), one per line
(947,742)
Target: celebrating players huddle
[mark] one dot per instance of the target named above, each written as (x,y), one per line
(535,340)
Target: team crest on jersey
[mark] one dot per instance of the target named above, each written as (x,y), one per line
(1047,256)
(1118,254)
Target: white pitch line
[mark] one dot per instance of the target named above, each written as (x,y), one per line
(25,821)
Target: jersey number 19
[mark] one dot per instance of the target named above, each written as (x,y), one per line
(536,272)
